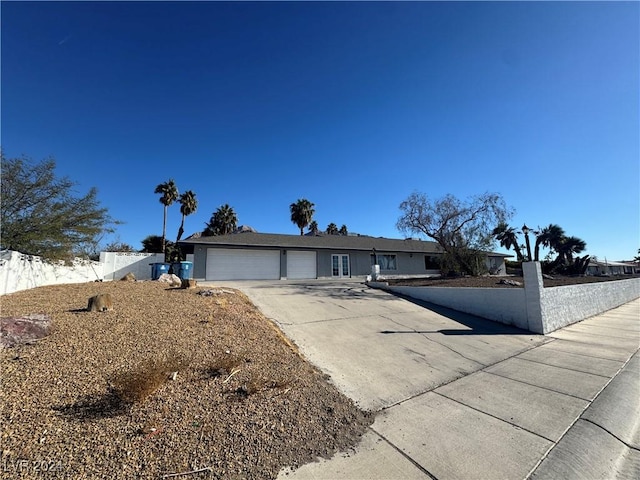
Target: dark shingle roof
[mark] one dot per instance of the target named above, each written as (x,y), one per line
(333,242)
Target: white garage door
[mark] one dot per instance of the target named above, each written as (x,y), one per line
(301,264)
(237,264)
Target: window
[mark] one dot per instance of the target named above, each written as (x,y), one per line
(431,262)
(387,262)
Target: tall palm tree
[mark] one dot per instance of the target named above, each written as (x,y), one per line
(550,236)
(313,228)
(343,230)
(188,205)
(169,194)
(223,221)
(508,238)
(332,229)
(301,213)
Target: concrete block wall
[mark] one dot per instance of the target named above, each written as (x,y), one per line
(562,306)
(534,308)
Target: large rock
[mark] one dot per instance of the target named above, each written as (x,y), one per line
(23,330)
(171,279)
(129,277)
(100,303)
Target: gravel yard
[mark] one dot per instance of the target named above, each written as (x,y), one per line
(94,399)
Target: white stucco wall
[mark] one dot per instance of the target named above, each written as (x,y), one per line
(118,264)
(504,305)
(21,272)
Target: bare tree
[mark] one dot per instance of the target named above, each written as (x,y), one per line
(462,228)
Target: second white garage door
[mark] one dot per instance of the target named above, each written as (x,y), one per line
(301,264)
(238,264)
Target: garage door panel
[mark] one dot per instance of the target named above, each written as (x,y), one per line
(301,264)
(241,264)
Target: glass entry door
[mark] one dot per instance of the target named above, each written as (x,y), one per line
(340,266)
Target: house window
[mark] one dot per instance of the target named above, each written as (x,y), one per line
(431,262)
(387,262)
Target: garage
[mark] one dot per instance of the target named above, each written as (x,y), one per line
(301,264)
(242,264)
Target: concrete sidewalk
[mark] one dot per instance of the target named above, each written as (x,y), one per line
(462,397)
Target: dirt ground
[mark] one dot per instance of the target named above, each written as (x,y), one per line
(494,282)
(95,398)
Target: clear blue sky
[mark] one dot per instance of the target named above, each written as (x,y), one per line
(351,105)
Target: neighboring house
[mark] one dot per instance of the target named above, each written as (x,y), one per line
(263,256)
(597,267)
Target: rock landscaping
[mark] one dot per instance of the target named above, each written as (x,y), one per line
(169,383)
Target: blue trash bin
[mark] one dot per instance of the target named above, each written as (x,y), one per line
(184,270)
(158,269)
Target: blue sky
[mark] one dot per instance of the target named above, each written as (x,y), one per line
(353,105)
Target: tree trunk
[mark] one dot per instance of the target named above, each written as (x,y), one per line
(516,247)
(180,230)
(164,229)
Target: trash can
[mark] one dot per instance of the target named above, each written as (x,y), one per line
(158,269)
(184,270)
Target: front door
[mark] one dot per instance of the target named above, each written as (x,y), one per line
(340,266)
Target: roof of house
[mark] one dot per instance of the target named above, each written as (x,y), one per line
(326,242)
(343,242)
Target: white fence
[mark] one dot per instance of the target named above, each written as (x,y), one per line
(118,264)
(22,272)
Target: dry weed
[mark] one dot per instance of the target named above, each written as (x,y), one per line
(138,383)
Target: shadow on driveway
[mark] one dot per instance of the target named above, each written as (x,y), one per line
(475,325)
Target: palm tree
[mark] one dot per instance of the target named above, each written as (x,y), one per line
(152,244)
(301,213)
(169,193)
(332,229)
(222,222)
(313,228)
(343,230)
(188,205)
(508,238)
(550,237)
(569,246)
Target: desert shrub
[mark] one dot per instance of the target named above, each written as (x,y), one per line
(135,385)
(225,364)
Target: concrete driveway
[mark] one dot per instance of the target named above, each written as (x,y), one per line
(456,396)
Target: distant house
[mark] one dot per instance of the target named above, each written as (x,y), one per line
(268,256)
(597,267)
